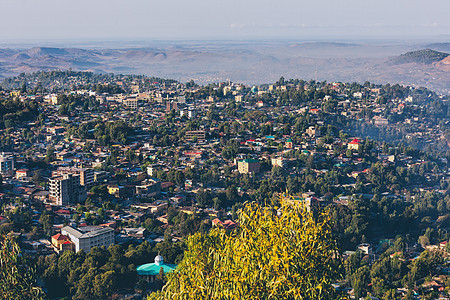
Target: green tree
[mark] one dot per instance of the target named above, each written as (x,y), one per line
(17,277)
(291,256)
(359,280)
(50,155)
(46,220)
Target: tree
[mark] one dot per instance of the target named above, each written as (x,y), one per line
(46,220)
(100,191)
(160,278)
(17,278)
(360,280)
(50,156)
(37,177)
(269,256)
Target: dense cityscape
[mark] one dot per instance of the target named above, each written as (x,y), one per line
(104,177)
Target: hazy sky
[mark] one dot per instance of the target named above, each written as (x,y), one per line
(210,19)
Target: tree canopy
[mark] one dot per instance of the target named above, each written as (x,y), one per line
(17,279)
(275,253)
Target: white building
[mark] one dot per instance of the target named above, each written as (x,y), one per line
(131,103)
(278,161)
(190,114)
(6,163)
(88,237)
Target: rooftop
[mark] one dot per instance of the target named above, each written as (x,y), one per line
(89,231)
(153,269)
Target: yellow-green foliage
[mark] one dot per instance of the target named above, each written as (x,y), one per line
(291,255)
(16,277)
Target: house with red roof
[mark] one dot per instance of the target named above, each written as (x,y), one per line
(64,212)
(227,224)
(355,144)
(62,243)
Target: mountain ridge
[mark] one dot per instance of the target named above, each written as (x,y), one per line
(245,62)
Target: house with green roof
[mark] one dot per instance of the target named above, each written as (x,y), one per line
(151,270)
(289,144)
(247,166)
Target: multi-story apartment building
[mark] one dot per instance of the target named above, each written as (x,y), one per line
(248,166)
(278,161)
(199,135)
(131,103)
(85,238)
(148,188)
(87,176)
(7,163)
(66,189)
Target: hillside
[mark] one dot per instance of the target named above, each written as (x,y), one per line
(426,56)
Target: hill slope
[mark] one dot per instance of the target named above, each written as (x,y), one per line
(426,56)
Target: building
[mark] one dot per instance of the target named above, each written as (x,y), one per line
(171,105)
(354,145)
(56,130)
(151,270)
(249,166)
(86,238)
(87,176)
(100,176)
(289,144)
(22,174)
(278,161)
(131,103)
(66,189)
(190,113)
(153,169)
(377,120)
(62,243)
(155,208)
(182,99)
(116,190)
(149,188)
(311,203)
(198,135)
(312,131)
(7,163)
(365,248)
(41,196)
(227,224)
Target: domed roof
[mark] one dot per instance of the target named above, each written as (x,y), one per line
(159,260)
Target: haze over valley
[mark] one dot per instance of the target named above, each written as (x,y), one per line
(249,62)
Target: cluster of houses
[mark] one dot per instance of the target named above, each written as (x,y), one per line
(199,131)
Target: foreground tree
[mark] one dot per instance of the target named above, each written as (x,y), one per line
(285,253)
(17,279)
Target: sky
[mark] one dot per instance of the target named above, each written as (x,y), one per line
(104,20)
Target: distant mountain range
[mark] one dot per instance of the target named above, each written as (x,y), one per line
(248,62)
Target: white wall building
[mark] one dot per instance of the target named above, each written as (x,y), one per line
(6,163)
(88,237)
